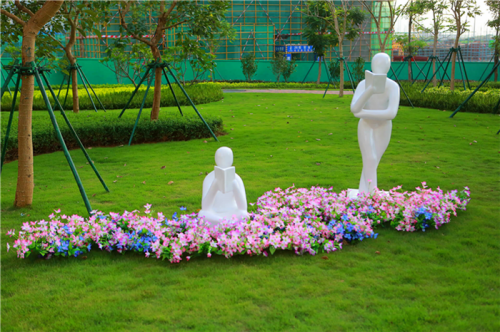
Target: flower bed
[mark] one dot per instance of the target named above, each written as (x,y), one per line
(304,220)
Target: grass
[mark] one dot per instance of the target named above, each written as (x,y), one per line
(440,280)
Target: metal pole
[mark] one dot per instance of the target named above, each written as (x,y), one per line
(85,86)
(485,68)
(135,91)
(309,70)
(172,90)
(8,88)
(61,141)
(60,87)
(461,72)
(421,70)
(192,104)
(9,77)
(350,76)
(440,66)
(465,70)
(74,132)
(447,64)
(397,80)
(67,89)
(477,89)
(140,110)
(9,123)
(90,86)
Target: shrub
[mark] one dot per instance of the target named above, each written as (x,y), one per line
(444,99)
(249,66)
(106,129)
(116,97)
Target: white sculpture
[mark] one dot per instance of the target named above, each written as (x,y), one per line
(376,103)
(224,194)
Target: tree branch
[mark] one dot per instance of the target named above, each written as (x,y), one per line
(54,39)
(174,25)
(23,9)
(125,26)
(13,17)
(172,6)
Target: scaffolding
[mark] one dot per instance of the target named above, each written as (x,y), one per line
(262,26)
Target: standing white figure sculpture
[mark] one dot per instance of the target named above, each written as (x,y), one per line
(224,194)
(375,103)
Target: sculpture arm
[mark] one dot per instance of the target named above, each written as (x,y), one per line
(388,114)
(239,196)
(360,98)
(209,198)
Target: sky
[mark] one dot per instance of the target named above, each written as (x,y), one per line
(479,23)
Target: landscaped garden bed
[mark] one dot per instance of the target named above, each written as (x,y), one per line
(117,96)
(106,129)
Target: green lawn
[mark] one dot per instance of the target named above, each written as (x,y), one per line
(440,280)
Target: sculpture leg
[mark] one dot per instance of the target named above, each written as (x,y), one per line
(372,142)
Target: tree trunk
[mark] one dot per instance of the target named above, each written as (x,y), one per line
(434,52)
(453,58)
(74,81)
(319,70)
(155,111)
(24,190)
(341,87)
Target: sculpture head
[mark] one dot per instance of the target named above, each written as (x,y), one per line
(224,157)
(381,63)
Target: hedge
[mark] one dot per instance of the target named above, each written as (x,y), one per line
(106,129)
(116,97)
(444,99)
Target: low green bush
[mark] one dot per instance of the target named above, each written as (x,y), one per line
(106,129)
(444,99)
(116,97)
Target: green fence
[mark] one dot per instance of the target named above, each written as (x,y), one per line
(97,73)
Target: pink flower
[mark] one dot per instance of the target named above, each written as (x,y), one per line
(8,247)
(188,258)
(209,255)
(147,253)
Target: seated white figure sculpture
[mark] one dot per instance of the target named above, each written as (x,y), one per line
(224,194)
(375,103)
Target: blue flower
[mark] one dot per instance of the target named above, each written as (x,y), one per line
(345,217)
(183,208)
(88,247)
(428,215)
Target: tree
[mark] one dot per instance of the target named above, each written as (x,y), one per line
(31,23)
(437,9)
(281,66)
(226,32)
(374,8)
(288,69)
(347,21)
(248,65)
(201,21)
(494,8)
(412,11)
(359,70)
(461,11)
(318,31)
(81,16)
